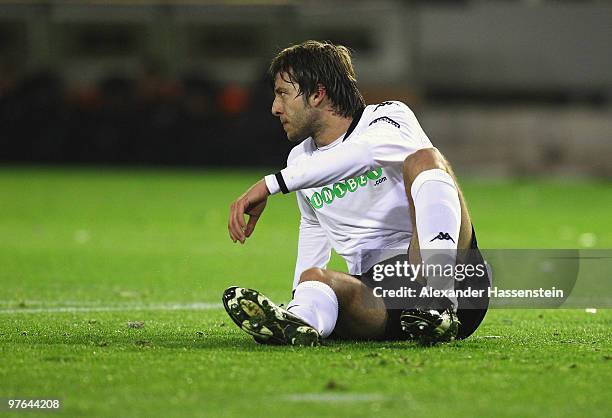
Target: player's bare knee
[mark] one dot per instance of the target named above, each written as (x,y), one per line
(314,274)
(421,160)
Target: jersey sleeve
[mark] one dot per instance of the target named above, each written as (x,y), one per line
(314,248)
(391,134)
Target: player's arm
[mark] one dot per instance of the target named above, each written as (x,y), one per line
(322,169)
(252,203)
(391,136)
(314,248)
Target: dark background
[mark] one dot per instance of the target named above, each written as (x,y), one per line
(508,87)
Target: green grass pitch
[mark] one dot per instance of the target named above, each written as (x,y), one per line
(83,252)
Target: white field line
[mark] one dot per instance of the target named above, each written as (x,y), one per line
(335,397)
(62,302)
(204,306)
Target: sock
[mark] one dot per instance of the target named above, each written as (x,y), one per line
(316,304)
(438,219)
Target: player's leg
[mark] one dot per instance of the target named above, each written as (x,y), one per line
(335,301)
(324,301)
(420,163)
(267,322)
(442,226)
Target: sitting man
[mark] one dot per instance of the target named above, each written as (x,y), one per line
(366,177)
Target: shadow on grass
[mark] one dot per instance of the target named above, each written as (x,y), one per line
(215,336)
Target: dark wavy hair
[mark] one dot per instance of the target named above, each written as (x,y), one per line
(312,63)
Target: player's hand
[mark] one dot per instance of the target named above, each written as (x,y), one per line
(254,215)
(252,203)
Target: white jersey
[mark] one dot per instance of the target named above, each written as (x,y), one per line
(351,192)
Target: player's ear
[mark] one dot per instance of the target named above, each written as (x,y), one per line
(318,96)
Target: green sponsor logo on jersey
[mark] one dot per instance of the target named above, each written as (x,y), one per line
(316,201)
(351,185)
(373,175)
(340,189)
(328,195)
(362,180)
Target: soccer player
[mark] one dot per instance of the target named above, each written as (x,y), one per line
(365,177)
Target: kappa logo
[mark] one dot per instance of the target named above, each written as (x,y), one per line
(384,104)
(443,236)
(385,119)
(341,189)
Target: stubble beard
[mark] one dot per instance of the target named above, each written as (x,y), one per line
(298,136)
(306,128)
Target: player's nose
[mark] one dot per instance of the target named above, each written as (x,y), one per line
(276,108)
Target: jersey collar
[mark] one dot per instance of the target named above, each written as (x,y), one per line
(330,145)
(353,124)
